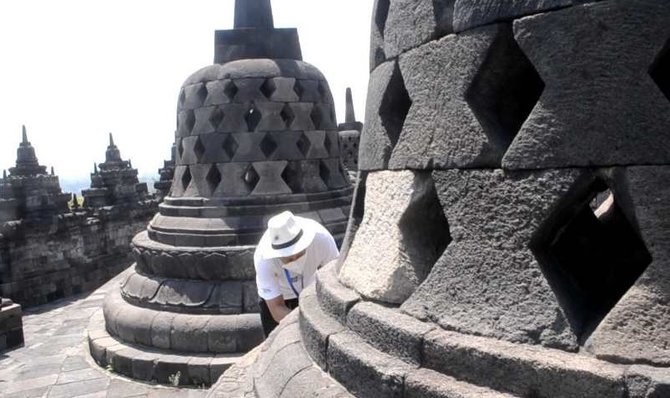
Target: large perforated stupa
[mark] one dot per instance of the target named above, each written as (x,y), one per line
(256,135)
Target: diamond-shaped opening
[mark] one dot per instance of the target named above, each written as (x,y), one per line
(590,254)
(504,90)
(268,88)
(424,229)
(287,115)
(180,148)
(394,107)
(216,117)
(381,14)
(230,90)
(182,98)
(660,70)
(304,144)
(199,149)
(253,117)
(251,178)
(292,176)
(299,89)
(186,178)
(230,146)
(213,178)
(327,144)
(268,145)
(202,93)
(189,120)
(324,173)
(317,116)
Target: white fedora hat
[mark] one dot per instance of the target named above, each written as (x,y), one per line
(286,235)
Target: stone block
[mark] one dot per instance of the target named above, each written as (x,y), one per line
(316,327)
(312,381)
(379,15)
(647,381)
(411,23)
(189,333)
(425,383)
(468,14)
(604,102)
(375,144)
(405,225)
(233,333)
(519,369)
(334,298)
(286,364)
(364,371)
(226,298)
(389,331)
(637,328)
(161,329)
(498,288)
(168,366)
(487,87)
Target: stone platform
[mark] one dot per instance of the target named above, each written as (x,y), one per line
(55,361)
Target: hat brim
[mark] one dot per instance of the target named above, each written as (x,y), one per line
(265,245)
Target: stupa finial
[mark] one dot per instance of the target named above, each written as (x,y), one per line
(4,174)
(53,173)
(253,14)
(25,135)
(95,168)
(350,116)
(111,140)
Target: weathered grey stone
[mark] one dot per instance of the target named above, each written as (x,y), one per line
(399,205)
(334,298)
(601,106)
(486,89)
(425,383)
(189,333)
(316,327)
(375,144)
(364,371)
(647,381)
(468,14)
(498,288)
(411,23)
(389,331)
(521,369)
(638,326)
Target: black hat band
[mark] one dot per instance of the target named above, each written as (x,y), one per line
(289,243)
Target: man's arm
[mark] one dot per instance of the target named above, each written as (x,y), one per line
(278,308)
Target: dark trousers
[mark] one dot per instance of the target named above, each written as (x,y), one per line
(267,320)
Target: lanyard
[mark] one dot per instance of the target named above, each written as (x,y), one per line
(290,282)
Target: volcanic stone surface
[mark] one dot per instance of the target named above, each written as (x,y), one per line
(509,232)
(256,135)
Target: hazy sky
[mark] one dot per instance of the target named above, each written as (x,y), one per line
(74,70)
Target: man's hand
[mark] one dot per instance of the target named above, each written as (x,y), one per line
(278,308)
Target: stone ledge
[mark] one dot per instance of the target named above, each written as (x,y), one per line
(389,331)
(519,369)
(149,364)
(334,298)
(363,370)
(425,383)
(180,332)
(316,327)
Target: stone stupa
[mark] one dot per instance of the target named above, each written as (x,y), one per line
(114,182)
(350,136)
(512,218)
(30,192)
(256,135)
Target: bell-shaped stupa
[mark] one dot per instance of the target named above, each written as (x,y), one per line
(256,135)
(511,227)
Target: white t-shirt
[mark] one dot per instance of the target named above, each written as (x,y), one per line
(271,279)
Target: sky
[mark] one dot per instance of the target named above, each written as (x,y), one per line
(74,70)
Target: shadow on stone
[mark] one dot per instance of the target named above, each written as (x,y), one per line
(590,257)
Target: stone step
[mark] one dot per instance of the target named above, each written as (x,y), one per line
(154,365)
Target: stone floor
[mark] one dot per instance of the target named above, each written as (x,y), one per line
(55,362)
